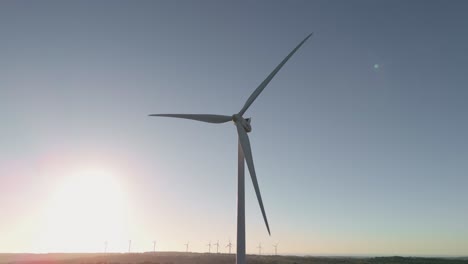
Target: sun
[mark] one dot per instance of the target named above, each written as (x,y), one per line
(87,208)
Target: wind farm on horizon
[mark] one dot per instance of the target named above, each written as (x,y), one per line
(220,249)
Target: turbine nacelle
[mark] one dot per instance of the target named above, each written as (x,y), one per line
(245,122)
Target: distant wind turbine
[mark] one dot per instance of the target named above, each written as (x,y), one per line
(244,152)
(276,248)
(154,246)
(209,247)
(129,246)
(105,246)
(186,246)
(229,246)
(259,248)
(217,246)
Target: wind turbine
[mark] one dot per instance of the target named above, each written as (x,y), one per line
(244,152)
(129,246)
(209,247)
(276,248)
(217,246)
(105,246)
(186,246)
(259,248)
(229,246)
(154,246)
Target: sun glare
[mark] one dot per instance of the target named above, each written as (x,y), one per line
(87,208)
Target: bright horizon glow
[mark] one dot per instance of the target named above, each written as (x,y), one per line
(85,206)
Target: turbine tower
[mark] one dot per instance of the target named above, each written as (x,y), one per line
(186,246)
(217,247)
(129,246)
(259,248)
(209,247)
(229,246)
(276,248)
(244,152)
(154,246)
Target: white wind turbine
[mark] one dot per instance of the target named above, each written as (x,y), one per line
(186,246)
(217,247)
(209,247)
(244,153)
(229,246)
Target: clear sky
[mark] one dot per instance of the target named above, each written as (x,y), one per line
(360,141)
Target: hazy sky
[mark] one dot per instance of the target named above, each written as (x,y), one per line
(360,142)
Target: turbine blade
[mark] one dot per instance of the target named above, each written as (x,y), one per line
(269,78)
(245,143)
(217,119)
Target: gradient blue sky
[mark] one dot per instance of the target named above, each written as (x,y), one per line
(359,142)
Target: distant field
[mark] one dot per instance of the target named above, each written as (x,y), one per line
(200,258)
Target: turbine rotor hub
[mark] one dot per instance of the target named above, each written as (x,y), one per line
(245,122)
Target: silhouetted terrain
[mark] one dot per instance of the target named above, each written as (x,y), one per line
(200,258)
